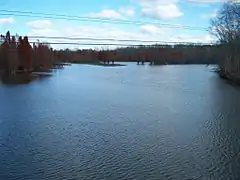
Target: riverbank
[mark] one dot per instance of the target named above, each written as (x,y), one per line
(100,64)
(23,78)
(233,78)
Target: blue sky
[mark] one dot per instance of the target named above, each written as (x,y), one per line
(196,13)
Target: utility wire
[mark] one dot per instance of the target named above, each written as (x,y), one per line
(118,44)
(82,18)
(105,39)
(96,39)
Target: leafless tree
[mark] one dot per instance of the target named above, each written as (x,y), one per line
(226,27)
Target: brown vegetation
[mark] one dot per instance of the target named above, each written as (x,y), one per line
(159,54)
(226,26)
(17,55)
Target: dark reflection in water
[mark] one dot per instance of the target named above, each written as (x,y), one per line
(133,122)
(24,78)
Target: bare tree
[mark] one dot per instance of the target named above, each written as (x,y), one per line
(226,27)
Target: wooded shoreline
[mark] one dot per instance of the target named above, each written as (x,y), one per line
(18,55)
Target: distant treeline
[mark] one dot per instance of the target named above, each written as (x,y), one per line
(18,55)
(159,54)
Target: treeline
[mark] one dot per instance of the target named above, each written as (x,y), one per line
(159,54)
(177,54)
(226,26)
(17,55)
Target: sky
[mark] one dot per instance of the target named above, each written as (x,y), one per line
(151,13)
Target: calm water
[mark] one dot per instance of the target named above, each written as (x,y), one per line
(133,122)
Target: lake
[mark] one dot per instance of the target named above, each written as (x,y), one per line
(129,122)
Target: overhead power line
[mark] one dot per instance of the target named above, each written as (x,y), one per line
(96,39)
(101,39)
(46,38)
(82,18)
(118,44)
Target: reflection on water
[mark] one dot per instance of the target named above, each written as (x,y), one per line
(22,78)
(131,122)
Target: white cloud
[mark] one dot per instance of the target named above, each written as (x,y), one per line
(9,20)
(162,2)
(235,1)
(107,13)
(153,30)
(150,29)
(164,12)
(169,9)
(212,1)
(40,24)
(160,9)
(195,39)
(122,13)
(127,11)
(206,1)
(147,32)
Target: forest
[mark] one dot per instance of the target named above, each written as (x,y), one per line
(18,55)
(159,54)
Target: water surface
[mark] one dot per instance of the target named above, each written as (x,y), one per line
(131,122)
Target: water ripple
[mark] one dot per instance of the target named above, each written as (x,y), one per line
(129,123)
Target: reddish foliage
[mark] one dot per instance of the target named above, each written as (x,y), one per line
(27,53)
(19,53)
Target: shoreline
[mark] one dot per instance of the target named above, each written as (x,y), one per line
(99,64)
(22,78)
(234,79)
